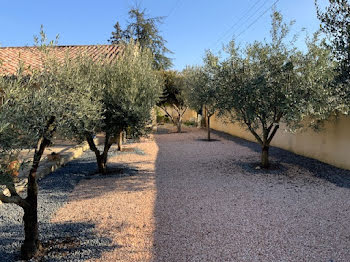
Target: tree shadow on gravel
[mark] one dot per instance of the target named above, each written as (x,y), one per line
(206,140)
(165,130)
(70,241)
(252,167)
(61,242)
(213,205)
(280,159)
(103,184)
(58,185)
(162,131)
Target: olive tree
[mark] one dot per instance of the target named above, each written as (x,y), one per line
(271,82)
(37,107)
(131,89)
(202,87)
(335,22)
(174,97)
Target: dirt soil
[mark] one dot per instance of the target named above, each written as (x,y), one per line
(193,200)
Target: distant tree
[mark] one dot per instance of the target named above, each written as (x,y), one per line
(335,22)
(145,31)
(117,35)
(37,107)
(174,97)
(131,88)
(270,83)
(202,87)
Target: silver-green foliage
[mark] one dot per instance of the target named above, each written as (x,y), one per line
(81,79)
(128,88)
(174,96)
(131,89)
(271,82)
(202,86)
(58,99)
(54,101)
(335,22)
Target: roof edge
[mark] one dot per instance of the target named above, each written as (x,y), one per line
(14,47)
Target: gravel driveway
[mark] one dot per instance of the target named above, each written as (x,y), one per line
(193,200)
(213,205)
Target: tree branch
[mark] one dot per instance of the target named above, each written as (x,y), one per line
(265,130)
(269,128)
(107,145)
(178,110)
(12,188)
(91,143)
(43,142)
(257,137)
(13,200)
(184,110)
(272,134)
(166,112)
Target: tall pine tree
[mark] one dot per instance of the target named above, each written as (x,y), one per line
(144,30)
(117,35)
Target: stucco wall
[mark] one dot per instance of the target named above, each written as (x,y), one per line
(331,145)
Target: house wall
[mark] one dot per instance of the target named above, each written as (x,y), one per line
(331,145)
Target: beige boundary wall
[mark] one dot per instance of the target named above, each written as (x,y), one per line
(331,145)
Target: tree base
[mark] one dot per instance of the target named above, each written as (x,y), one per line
(30,250)
(206,140)
(265,158)
(264,166)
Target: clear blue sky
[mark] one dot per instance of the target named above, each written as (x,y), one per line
(191,26)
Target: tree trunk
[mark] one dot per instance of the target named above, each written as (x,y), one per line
(120,141)
(104,156)
(208,128)
(31,245)
(265,157)
(124,137)
(199,121)
(178,125)
(101,163)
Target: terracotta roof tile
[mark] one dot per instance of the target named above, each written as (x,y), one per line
(11,57)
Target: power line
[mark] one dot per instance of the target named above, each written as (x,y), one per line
(251,24)
(237,22)
(252,16)
(243,18)
(177,4)
(257,19)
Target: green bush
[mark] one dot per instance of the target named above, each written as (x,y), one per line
(190,123)
(160,119)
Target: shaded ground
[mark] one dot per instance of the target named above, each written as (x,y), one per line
(191,200)
(71,241)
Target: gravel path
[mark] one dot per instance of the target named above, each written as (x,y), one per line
(213,205)
(193,200)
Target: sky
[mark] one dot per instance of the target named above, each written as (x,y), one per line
(189,27)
